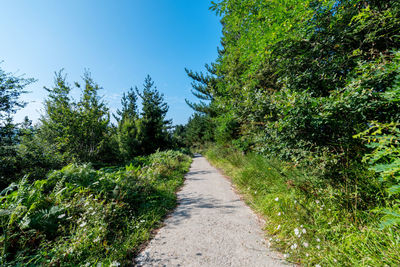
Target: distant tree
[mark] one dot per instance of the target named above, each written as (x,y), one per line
(154,127)
(11,88)
(80,130)
(199,130)
(129,106)
(127,131)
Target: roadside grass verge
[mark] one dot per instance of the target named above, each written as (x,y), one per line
(304,220)
(82,216)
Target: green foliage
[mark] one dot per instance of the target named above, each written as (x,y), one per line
(78,130)
(11,88)
(384,159)
(153,126)
(199,130)
(79,215)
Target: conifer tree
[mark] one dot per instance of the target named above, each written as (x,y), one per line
(154,127)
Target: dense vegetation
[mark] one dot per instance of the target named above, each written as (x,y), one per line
(76,189)
(314,84)
(79,215)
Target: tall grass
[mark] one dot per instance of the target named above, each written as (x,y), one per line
(306,219)
(83,216)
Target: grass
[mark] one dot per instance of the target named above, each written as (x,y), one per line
(82,216)
(306,220)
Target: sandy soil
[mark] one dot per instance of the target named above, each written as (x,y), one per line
(210,227)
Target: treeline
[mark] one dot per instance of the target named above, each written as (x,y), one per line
(78,131)
(315,84)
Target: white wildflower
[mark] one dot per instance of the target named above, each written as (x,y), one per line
(96,240)
(83,224)
(277,240)
(285,255)
(255,192)
(279,213)
(61,216)
(317,201)
(277,199)
(307,254)
(318,240)
(115,263)
(305,244)
(142,221)
(318,247)
(295,201)
(294,246)
(304,231)
(334,260)
(296,232)
(317,265)
(301,226)
(279,227)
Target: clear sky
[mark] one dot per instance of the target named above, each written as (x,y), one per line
(120,42)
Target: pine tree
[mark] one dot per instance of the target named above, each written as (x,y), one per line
(154,127)
(127,132)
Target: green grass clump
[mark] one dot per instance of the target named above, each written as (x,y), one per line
(306,220)
(83,216)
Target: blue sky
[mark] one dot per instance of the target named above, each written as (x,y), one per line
(120,42)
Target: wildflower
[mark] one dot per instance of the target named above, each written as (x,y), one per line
(296,232)
(294,246)
(304,231)
(317,201)
(115,263)
(277,240)
(279,227)
(318,240)
(307,254)
(317,265)
(61,216)
(295,201)
(279,213)
(305,244)
(96,240)
(301,226)
(142,221)
(255,192)
(318,247)
(277,199)
(321,208)
(83,224)
(334,260)
(285,255)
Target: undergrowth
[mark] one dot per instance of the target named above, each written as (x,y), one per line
(305,220)
(82,216)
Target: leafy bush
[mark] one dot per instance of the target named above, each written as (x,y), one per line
(79,215)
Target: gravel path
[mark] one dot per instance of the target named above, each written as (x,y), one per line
(210,227)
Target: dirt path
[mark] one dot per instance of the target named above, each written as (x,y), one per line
(210,227)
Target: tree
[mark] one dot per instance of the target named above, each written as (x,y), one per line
(80,130)
(127,132)
(11,88)
(129,106)
(153,133)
